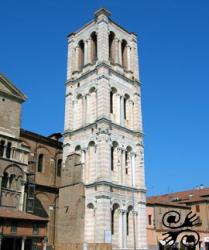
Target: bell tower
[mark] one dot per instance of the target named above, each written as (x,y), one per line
(103,126)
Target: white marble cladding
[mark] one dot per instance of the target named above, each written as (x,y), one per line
(124,60)
(103,124)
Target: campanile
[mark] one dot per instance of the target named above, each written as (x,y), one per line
(103,127)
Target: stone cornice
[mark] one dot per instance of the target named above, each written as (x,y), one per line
(117,186)
(106,120)
(106,65)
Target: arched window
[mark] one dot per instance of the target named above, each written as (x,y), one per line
(2,148)
(12,181)
(113,152)
(8,150)
(112,158)
(81,54)
(112,47)
(5,180)
(130,208)
(127,162)
(115,207)
(124,54)
(111,102)
(59,167)
(40,162)
(126,97)
(94,47)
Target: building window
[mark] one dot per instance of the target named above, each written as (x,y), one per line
(112,221)
(8,150)
(5,180)
(112,158)
(94,46)
(130,208)
(124,54)
(40,162)
(14,228)
(59,167)
(197,208)
(150,219)
(2,148)
(112,47)
(35,229)
(111,102)
(81,54)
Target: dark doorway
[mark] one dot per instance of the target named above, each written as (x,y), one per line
(11,243)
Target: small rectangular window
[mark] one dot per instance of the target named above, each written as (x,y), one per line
(35,229)
(150,219)
(14,228)
(197,208)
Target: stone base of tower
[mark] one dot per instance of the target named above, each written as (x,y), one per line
(84,246)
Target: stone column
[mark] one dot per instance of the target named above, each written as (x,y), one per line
(83,110)
(141,238)
(119,52)
(117,109)
(133,169)
(120,228)
(116,59)
(23,243)
(4,152)
(128,58)
(74,113)
(124,229)
(21,201)
(85,52)
(90,50)
(44,245)
(77,63)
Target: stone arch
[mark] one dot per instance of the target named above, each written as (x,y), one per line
(12,177)
(115,227)
(78,110)
(14,169)
(115,104)
(129,225)
(91,161)
(113,155)
(91,108)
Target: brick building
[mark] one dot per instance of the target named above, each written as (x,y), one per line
(30,172)
(196,200)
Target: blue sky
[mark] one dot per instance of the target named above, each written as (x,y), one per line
(174,53)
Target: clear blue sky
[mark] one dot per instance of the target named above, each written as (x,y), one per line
(174,65)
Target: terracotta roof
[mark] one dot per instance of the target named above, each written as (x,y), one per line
(167,204)
(15,214)
(184,197)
